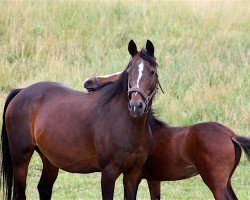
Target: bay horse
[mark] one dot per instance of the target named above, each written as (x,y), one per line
(106,131)
(209,149)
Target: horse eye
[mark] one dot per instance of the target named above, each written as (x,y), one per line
(152,73)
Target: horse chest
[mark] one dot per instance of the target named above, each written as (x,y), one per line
(122,151)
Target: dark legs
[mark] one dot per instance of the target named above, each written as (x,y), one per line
(131,180)
(20,174)
(237,150)
(49,175)
(109,176)
(154,189)
(231,191)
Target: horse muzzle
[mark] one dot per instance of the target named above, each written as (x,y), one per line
(136,108)
(91,85)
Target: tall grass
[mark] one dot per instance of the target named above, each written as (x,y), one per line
(203,50)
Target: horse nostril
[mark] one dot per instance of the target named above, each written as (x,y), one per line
(140,105)
(89,82)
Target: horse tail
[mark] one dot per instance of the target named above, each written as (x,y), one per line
(244,143)
(7,165)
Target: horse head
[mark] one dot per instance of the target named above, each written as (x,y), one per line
(142,78)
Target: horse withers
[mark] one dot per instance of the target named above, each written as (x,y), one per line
(209,149)
(105,131)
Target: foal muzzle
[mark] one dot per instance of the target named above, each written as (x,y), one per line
(91,85)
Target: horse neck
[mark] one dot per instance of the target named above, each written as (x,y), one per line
(139,123)
(162,128)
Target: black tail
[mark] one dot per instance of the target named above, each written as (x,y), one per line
(7,165)
(244,142)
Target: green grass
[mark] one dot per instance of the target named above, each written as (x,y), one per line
(203,50)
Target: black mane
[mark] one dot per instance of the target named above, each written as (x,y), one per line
(153,122)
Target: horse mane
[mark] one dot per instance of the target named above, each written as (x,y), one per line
(154,122)
(121,85)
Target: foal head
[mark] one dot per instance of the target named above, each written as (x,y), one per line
(97,82)
(142,78)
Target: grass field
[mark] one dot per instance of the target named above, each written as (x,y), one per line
(202,48)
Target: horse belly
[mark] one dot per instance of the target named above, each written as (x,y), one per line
(168,172)
(179,173)
(70,151)
(168,165)
(70,159)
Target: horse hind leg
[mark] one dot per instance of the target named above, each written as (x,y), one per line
(237,160)
(219,189)
(231,192)
(21,149)
(48,177)
(20,169)
(216,177)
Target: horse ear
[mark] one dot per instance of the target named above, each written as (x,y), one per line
(150,48)
(132,48)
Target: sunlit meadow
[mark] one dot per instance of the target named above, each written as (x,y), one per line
(203,52)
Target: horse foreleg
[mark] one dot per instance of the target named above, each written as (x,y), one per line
(154,189)
(109,176)
(131,180)
(49,175)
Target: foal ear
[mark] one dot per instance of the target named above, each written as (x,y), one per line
(150,48)
(132,48)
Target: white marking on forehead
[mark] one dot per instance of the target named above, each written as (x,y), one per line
(140,70)
(106,76)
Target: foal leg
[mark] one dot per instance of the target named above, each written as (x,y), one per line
(216,178)
(49,175)
(231,192)
(109,176)
(154,189)
(237,150)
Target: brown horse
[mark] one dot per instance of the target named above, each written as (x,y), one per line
(106,131)
(209,149)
